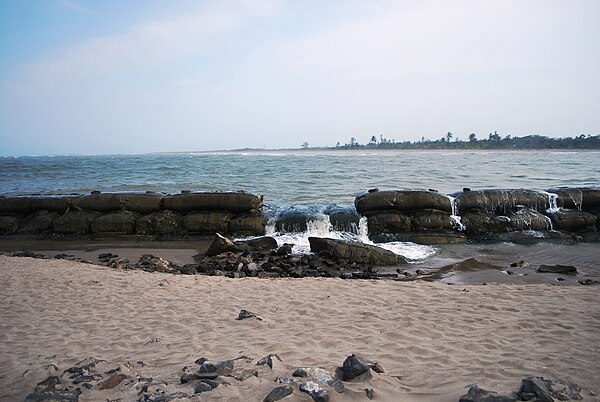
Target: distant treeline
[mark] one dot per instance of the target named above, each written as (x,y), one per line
(493,141)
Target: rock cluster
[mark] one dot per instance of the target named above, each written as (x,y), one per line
(135,381)
(532,389)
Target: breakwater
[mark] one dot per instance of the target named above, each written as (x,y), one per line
(420,216)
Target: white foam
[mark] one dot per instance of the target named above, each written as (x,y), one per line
(454,216)
(323,228)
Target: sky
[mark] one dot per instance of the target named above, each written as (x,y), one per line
(111,76)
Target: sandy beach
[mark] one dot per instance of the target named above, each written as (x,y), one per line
(432,339)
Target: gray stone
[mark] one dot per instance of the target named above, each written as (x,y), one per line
(278,393)
(476,394)
(317,393)
(558,269)
(353,252)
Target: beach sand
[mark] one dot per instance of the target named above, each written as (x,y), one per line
(432,339)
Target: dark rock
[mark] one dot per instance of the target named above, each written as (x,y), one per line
(546,389)
(248,314)
(528,219)
(264,243)
(112,381)
(558,269)
(54,395)
(369,393)
(220,245)
(355,366)
(476,394)
(313,389)
(200,361)
(569,198)
(87,378)
(338,386)
(483,223)
(268,360)
(402,200)
(205,386)
(50,382)
(279,393)
(589,282)
(355,252)
(315,373)
(285,249)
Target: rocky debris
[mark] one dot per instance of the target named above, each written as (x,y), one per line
(220,245)
(112,381)
(264,243)
(316,392)
(244,314)
(369,393)
(205,386)
(315,373)
(353,252)
(268,360)
(285,249)
(278,393)
(532,389)
(589,282)
(48,390)
(558,269)
(356,367)
(476,394)
(546,389)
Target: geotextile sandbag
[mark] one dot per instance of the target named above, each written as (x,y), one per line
(207,221)
(247,224)
(121,222)
(212,201)
(160,223)
(573,220)
(38,222)
(29,204)
(105,202)
(402,200)
(74,222)
(500,202)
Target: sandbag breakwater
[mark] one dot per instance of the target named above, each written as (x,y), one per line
(426,216)
(420,216)
(150,214)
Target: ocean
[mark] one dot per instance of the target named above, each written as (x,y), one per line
(299,177)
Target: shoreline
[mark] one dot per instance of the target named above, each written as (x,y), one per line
(432,339)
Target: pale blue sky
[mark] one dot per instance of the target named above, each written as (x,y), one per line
(143,76)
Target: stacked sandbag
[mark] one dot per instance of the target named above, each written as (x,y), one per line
(400,214)
(150,213)
(491,211)
(576,210)
(31,213)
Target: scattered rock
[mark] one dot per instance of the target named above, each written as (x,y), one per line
(268,360)
(558,269)
(476,394)
(313,389)
(248,314)
(369,393)
(112,381)
(546,389)
(278,393)
(205,386)
(220,245)
(355,366)
(315,373)
(589,282)
(47,391)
